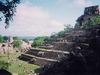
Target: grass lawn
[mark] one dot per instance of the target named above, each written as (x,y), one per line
(14,68)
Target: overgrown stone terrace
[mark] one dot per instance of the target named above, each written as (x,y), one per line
(55,60)
(45,57)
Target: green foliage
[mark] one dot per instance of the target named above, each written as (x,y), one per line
(61,33)
(54,34)
(68,27)
(46,38)
(91,23)
(96,20)
(8,8)
(5,38)
(17,44)
(4,65)
(1,39)
(26,40)
(14,68)
(39,41)
(15,38)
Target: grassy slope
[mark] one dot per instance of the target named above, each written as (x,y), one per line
(14,68)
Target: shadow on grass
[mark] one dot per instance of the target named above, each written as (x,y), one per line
(4,72)
(37,70)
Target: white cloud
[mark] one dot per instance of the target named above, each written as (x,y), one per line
(79,3)
(32,21)
(82,3)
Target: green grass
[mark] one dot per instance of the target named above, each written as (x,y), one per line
(14,68)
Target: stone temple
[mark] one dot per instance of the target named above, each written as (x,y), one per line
(92,10)
(89,12)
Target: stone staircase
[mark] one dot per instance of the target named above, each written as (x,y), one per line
(42,57)
(59,50)
(48,55)
(36,60)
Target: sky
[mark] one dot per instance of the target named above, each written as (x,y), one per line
(43,17)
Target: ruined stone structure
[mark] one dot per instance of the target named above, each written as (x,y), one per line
(7,47)
(92,10)
(10,39)
(89,12)
(54,52)
(76,38)
(25,45)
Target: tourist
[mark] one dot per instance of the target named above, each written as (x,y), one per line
(24,67)
(16,59)
(19,65)
(24,71)
(58,56)
(8,57)
(33,72)
(12,59)
(28,73)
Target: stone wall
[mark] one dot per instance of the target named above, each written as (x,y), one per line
(6,48)
(92,10)
(46,54)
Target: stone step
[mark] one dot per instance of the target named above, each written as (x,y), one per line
(50,54)
(36,60)
(64,46)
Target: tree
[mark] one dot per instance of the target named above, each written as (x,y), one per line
(8,8)
(68,27)
(91,23)
(61,33)
(15,38)
(54,34)
(4,65)
(26,40)
(5,38)
(88,24)
(1,39)
(46,38)
(39,41)
(17,44)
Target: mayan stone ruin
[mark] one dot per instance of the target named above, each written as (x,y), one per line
(89,12)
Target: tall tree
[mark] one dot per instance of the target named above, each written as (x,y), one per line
(8,8)
(68,27)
